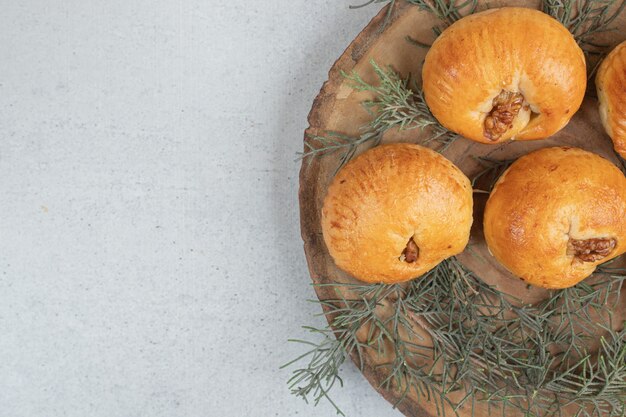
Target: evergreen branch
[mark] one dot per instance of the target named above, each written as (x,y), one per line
(492,170)
(397,103)
(585,18)
(448,11)
(525,357)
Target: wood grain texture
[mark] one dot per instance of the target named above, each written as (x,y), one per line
(338,108)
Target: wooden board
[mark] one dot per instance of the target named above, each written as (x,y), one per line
(338,108)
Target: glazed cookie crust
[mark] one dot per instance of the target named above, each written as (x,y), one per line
(396,211)
(555,215)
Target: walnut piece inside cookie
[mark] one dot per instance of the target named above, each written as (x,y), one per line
(506,106)
(411,252)
(591,250)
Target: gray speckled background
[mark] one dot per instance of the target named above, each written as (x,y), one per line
(150,258)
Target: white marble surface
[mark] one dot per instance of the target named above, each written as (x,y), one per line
(150,257)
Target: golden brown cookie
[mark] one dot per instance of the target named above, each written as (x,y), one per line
(611,87)
(556,214)
(502,74)
(395,212)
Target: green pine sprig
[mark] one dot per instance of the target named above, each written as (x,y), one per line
(397,104)
(586,19)
(525,357)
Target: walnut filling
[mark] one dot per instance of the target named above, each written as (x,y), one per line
(591,250)
(411,252)
(506,106)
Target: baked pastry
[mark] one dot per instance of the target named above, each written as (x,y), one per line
(501,74)
(611,85)
(556,214)
(395,212)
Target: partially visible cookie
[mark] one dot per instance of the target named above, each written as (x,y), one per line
(611,86)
